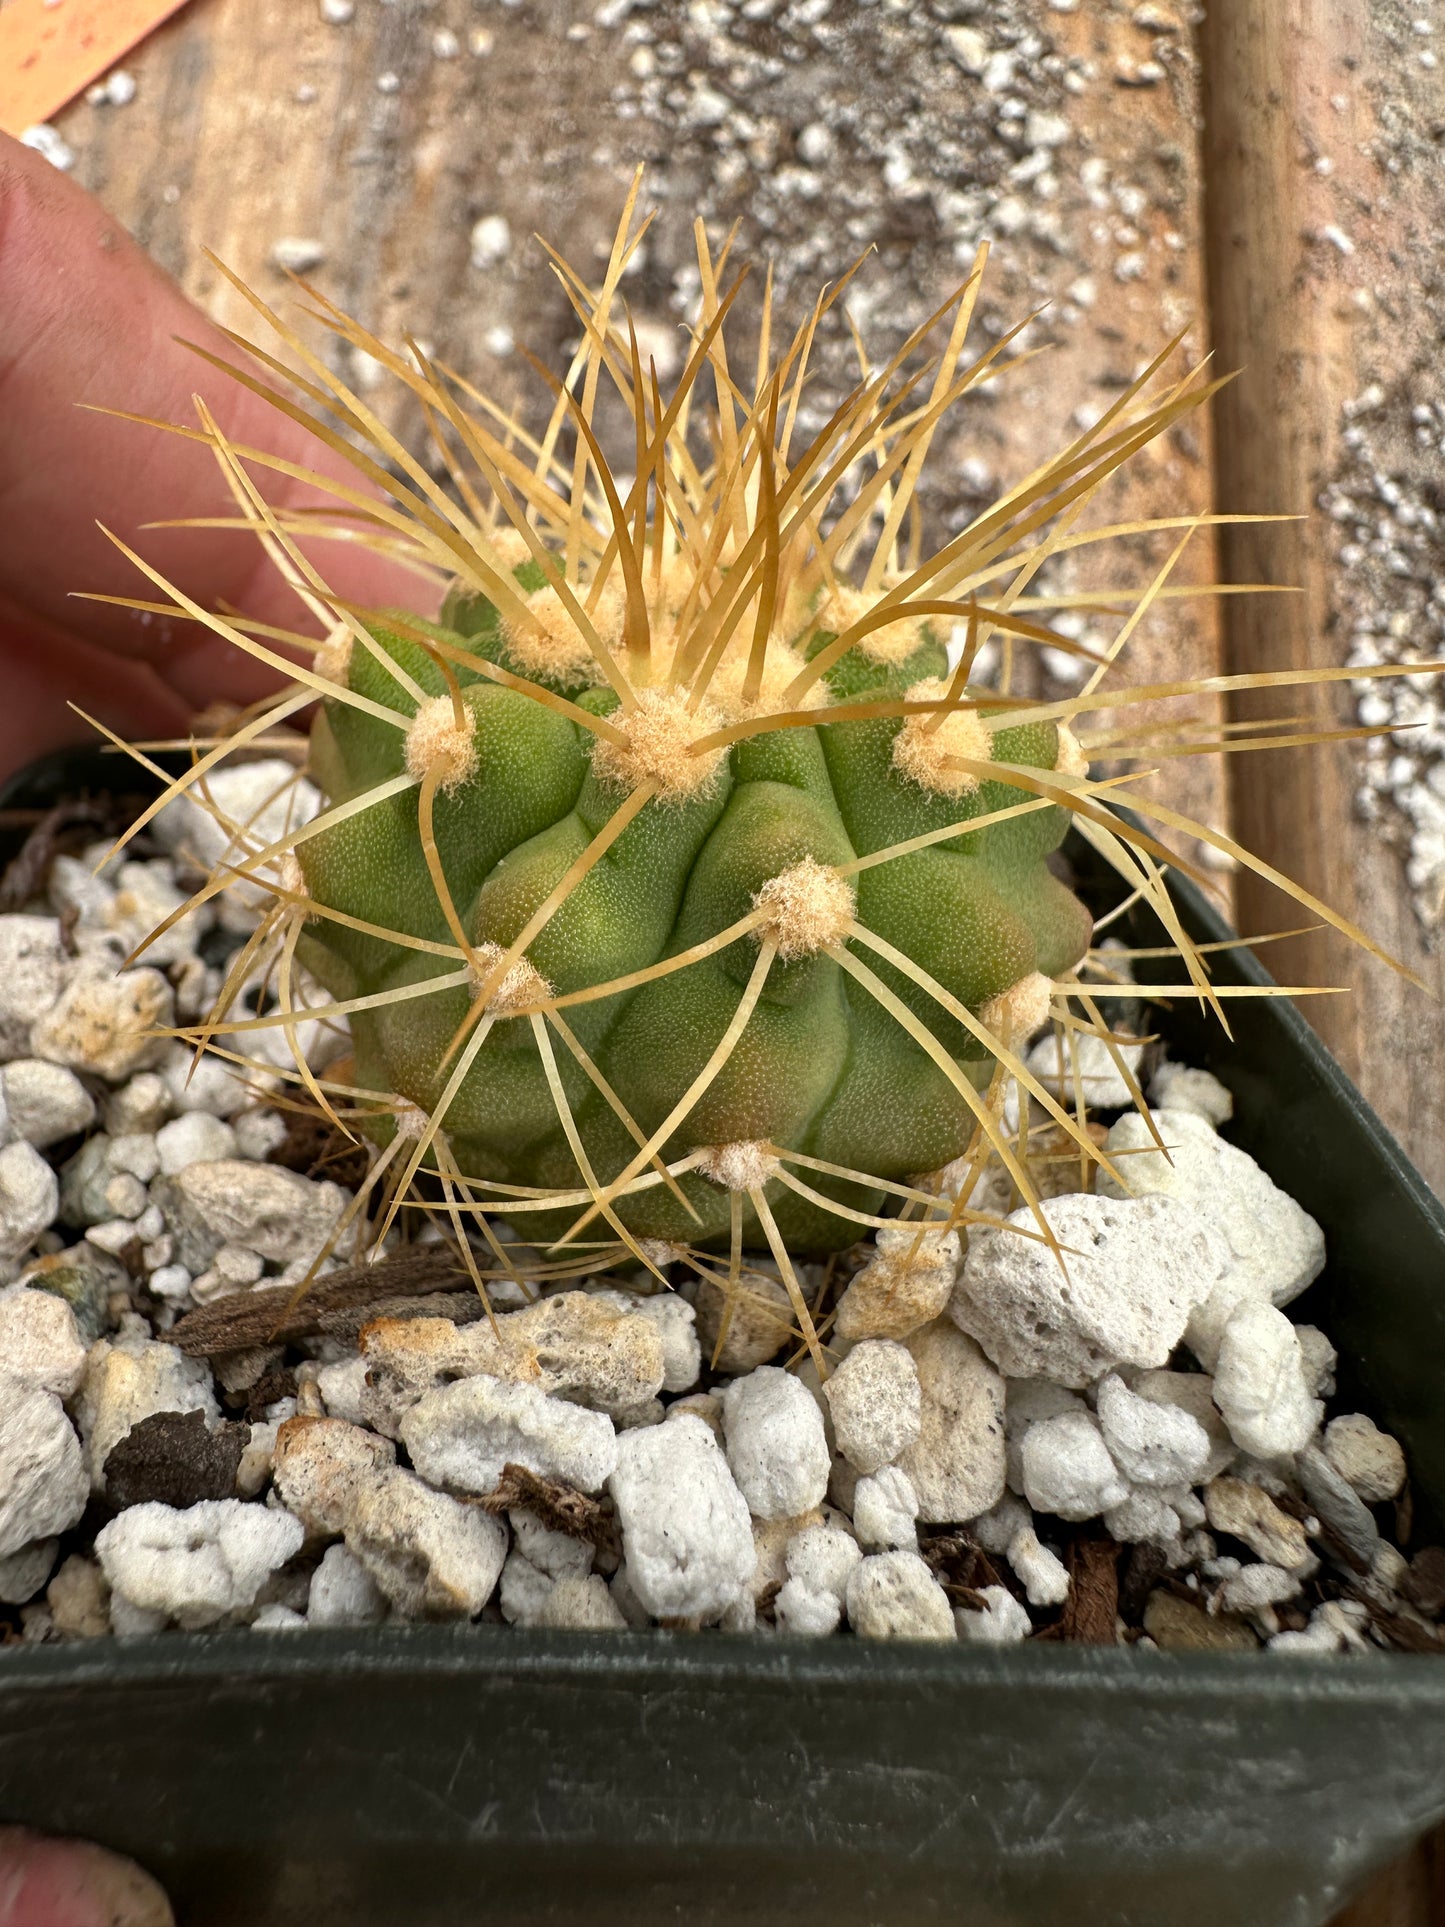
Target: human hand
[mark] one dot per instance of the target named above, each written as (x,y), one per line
(87,317)
(72,1883)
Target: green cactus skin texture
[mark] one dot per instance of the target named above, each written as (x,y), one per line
(821,1068)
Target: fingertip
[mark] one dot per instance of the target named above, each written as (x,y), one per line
(51,1882)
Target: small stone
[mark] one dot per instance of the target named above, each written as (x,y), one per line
(676,1323)
(1130,1274)
(46,1102)
(341,1387)
(320,1464)
(29,1200)
(1176,1626)
(1176,1088)
(904,1288)
(893,1595)
(200,1564)
(957,1462)
(1369,1459)
(1247,1513)
(1259,1383)
(1339,1507)
(232,1201)
(33,970)
(432,1557)
(79,1599)
(253,1473)
(776,1446)
(297,254)
(580,1602)
(142,1104)
(343,1592)
(491,240)
(1274,1248)
(875,1403)
(25,1571)
(798,1609)
(1258,1589)
(104,1023)
(194,1138)
(40,1344)
(1145,1517)
(557,1554)
(461,1436)
(1042,1574)
(204,1084)
(258,1134)
(277,1618)
(524,1589)
(885,1510)
(128,1381)
(821,1558)
(686,1534)
(1067,1469)
(1152,1444)
(761,1321)
(43,1487)
(1002,1621)
(175,1459)
(1319,1358)
(1193,1392)
(1425,1585)
(1083,1064)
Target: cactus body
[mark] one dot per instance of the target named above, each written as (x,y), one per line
(822,1067)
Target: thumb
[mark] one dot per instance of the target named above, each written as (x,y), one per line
(45,1882)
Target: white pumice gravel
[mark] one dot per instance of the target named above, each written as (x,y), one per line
(982,1411)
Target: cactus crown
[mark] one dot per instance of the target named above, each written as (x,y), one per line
(681,885)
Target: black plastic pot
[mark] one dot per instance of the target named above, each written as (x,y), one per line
(436,1777)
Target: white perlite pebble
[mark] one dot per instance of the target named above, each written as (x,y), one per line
(40,1343)
(1083,1064)
(462,1435)
(1042,1574)
(1145,1517)
(905,1287)
(893,1595)
(821,1558)
(1193,1392)
(433,1557)
(262,1206)
(130,1381)
(195,1138)
(200,1085)
(29,1200)
(797,1608)
(266,799)
(104,1023)
(1152,1444)
(1259,1384)
(33,970)
(580,1602)
(524,1589)
(1249,1514)
(341,1386)
(278,1619)
(776,1446)
(885,1510)
(1001,1622)
(320,1464)
(1132,1270)
(1275,1248)
(556,1553)
(43,1487)
(491,240)
(46,1102)
(343,1592)
(1177,1088)
(875,1403)
(23,1573)
(957,1462)
(198,1565)
(1067,1469)
(1364,1456)
(686,1535)
(676,1323)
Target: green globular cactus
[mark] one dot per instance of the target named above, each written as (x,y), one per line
(682,882)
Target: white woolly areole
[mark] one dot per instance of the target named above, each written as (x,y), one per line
(893,642)
(522,986)
(1019,1011)
(509,547)
(437,745)
(744,1166)
(809,906)
(780,666)
(1069,758)
(546,640)
(333,657)
(660,734)
(410,1119)
(290,877)
(925,755)
(662,1251)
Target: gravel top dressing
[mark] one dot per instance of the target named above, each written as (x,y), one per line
(1141,1446)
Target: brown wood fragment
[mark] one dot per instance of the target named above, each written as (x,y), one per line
(962,1567)
(28,870)
(275,1314)
(1091,1610)
(561,1508)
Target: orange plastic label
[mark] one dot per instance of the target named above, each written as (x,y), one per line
(51,49)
